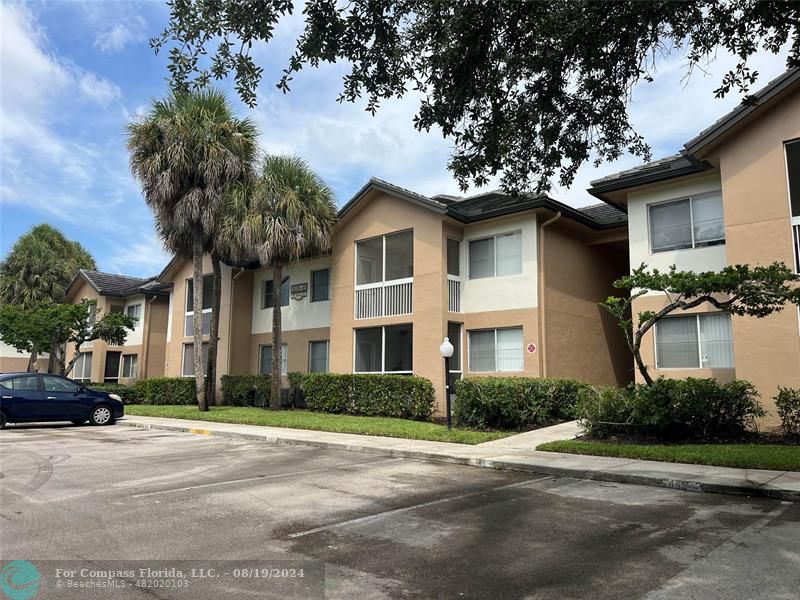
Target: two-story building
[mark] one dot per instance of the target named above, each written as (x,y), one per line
(730,196)
(143,354)
(513,282)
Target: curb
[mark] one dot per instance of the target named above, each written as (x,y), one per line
(683,484)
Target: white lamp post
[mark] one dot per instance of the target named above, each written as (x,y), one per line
(446,350)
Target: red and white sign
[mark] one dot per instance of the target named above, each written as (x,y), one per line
(531,348)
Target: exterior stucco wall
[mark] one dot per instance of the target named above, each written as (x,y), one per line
(582,340)
(501,293)
(84,291)
(11,360)
(297,341)
(152,365)
(711,258)
(526,318)
(381,215)
(299,314)
(758,229)
(648,347)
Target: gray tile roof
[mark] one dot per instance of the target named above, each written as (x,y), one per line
(604,214)
(117,285)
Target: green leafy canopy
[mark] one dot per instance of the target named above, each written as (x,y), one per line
(531,90)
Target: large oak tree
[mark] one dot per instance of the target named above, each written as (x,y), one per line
(530,90)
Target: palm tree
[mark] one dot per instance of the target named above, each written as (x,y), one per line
(186,152)
(287,214)
(38,270)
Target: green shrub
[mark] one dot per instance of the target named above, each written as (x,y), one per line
(397,396)
(672,409)
(297,397)
(788,403)
(126,392)
(515,402)
(166,390)
(246,390)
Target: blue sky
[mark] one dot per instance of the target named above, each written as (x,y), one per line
(74,72)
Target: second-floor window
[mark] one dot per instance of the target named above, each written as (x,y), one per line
(385,258)
(208,292)
(687,223)
(320,285)
(793,171)
(268,295)
(496,256)
(135,312)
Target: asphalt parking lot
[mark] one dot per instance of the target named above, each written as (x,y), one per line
(371,527)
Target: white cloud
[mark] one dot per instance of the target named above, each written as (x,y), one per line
(145,256)
(117,37)
(100,91)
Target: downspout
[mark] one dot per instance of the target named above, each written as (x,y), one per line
(146,318)
(230,323)
(541,303)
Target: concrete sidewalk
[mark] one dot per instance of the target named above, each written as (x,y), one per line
(515,453)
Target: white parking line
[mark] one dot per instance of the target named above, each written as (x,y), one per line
(262,478)
(404,509)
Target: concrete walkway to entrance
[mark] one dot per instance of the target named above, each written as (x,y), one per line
(515,453)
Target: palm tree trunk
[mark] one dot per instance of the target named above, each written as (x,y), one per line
(33,361)
(277,279)
(197,319)
(216,300)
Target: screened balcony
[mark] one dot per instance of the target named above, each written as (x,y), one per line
(384,276)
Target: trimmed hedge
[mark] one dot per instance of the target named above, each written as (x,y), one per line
(515,402)
(246,390)
(672,409)
(297,396)
(399,396)
(126,392)
(165,390)
(788,403)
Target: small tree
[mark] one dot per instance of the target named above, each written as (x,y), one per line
(739,289)
(55,325)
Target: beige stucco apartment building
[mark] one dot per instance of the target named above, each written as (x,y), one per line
(514,282)
(731,196)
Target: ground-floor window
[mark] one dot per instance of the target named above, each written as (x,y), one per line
(318,356)
(384,349)
(495,350)
(82,370)
(130,366)
(111,372)
(187,370)
(454,335)
(694,342)
(265,359)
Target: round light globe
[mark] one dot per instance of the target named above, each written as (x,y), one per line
(446,349)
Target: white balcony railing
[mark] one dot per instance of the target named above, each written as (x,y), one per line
(796,234)
(384,299)
(453,293)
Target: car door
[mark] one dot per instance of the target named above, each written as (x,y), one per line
(22,398)
(64,399)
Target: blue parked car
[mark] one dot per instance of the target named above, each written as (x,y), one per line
(33,397)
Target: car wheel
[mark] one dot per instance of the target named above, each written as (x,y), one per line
(100,415)
(78,421)
(2,420)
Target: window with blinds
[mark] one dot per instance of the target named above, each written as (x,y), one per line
(694,342)
(687,223)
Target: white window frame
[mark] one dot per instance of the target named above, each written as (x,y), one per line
(135,364)
(311,297)
(119,368)
(493,237)
(183,357)
(284,358)
(383,281)
(138,320)
(327,355)
(699,345)
(495,330)
(794,219)
(717,242)
(383,370)
(190,313)
(82,360)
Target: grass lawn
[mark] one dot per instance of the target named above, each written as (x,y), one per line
(746,456)
(303,419)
